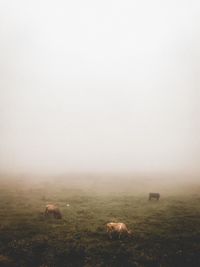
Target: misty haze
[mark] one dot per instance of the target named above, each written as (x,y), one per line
(99,133)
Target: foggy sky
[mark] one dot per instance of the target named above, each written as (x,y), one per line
(99,85)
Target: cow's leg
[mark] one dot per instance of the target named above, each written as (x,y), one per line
(110,235)
(108,232)
(120,235)
(56,215)
(46,212)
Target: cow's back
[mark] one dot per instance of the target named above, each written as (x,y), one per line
(154,195)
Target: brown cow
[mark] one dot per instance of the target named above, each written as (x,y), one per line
(53,210)
(117,229)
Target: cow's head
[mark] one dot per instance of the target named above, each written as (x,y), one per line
(130,232)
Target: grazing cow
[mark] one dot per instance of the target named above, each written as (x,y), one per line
(154,195)
(117,229)
(53,210)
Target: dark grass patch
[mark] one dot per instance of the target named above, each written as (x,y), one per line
(165,233)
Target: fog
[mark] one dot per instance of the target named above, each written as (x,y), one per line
(99,86)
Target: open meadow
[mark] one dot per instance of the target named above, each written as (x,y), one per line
(165,233)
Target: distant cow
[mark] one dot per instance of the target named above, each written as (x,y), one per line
(117,229)
(53,210)
(154,196)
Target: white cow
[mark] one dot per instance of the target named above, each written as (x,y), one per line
(118,229)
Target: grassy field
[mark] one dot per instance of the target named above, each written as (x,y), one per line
(165,233)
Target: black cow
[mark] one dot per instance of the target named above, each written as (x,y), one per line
(154,195)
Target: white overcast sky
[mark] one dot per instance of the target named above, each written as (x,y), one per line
(99,85)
